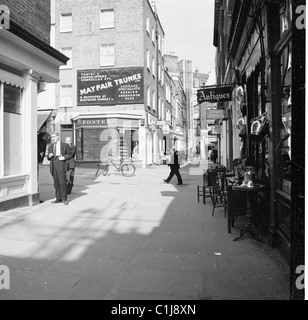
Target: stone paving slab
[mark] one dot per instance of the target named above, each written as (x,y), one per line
(161,261)
(248,285)
(163,282)
(11,248)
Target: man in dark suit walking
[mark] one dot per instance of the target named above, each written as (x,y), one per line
(174,167)
(58,153)
(70,166)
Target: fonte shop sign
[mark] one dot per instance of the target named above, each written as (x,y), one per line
(215,94)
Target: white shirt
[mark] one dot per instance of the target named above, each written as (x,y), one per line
(58,149)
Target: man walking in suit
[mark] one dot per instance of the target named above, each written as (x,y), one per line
(70,166)
(58,153)
(174,167)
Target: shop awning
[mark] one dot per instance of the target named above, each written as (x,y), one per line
(42,116)
(11,79)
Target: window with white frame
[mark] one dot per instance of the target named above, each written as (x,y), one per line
(66,96)
(66,22)
(69,53)
(153,100)
(107,55)
(148,25)
(163,114)
(153,35)
(159,42)
(149,96)
(163,45)
(153,66)
(148,60)
(107,19)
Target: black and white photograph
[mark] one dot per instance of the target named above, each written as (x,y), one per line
(152,153)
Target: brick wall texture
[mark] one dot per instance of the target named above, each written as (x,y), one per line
(31,15)
(129,36)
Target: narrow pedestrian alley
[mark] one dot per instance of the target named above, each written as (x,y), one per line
(133,239)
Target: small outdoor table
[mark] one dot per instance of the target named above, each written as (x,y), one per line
(249,192)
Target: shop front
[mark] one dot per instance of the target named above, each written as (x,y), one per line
(26,64)
(98,137)
(261,112)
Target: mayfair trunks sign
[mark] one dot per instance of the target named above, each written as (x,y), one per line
(110,86)
(215,94)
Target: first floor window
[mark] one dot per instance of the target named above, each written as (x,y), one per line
(66,96)
(107,55)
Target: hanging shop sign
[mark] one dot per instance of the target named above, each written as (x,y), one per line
(215,94)
(215,114)
(110,86)
(166,129)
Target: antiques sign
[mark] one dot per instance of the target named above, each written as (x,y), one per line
(215,94)
(110,86)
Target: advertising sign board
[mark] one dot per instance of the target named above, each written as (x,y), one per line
(110,86)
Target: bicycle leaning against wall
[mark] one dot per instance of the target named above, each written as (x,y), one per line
(121,165)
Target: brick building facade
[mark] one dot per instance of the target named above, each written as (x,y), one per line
(110,38)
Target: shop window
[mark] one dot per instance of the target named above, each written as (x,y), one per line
(284,146)
(98,144)
(13,127)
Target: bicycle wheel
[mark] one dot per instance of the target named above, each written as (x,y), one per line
(105,169)
(128,170)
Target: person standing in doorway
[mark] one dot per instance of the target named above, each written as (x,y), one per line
(174,167)
(70,166)
(58,153)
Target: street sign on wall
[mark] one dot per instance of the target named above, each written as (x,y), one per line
(215,114)
(110,86)
(215,94)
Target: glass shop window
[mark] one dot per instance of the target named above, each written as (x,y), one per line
(284,147)
(95,144)
(13,128)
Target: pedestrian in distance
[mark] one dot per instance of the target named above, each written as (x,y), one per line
(214,155)
(174,167)
(58,153)
(70,166)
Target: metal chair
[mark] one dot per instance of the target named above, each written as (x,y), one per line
(205,189)
(218,177)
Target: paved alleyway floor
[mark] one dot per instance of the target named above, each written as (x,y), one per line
(133,239)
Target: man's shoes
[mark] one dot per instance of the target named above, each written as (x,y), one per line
(166,181)
(179,184)
(56,201)
(65,202)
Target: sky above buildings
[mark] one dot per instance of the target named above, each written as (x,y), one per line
(188,27)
